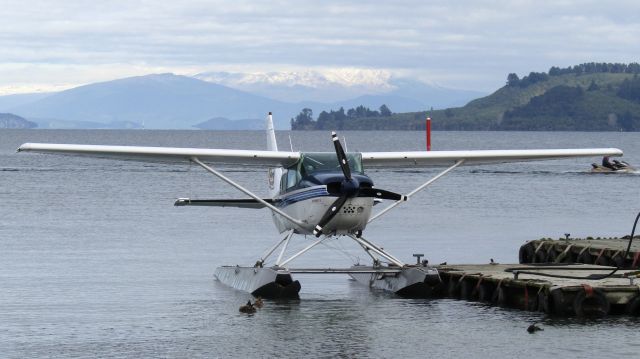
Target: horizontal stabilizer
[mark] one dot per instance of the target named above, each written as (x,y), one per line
(239,203)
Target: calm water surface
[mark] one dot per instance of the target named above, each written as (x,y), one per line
(95,261)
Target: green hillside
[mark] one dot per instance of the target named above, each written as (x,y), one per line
(587,97)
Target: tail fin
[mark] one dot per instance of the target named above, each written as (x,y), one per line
(272,145)
(274,173)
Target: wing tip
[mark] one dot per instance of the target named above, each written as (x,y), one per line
(23,147)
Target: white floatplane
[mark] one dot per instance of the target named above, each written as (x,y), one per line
(323,194)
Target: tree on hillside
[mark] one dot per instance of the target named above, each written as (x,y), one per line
(626,121)
(555,71)
(303,121)
(557,101)
(596,67)
(384,111)
(362,112)
(323,119)
(533,78)
(512,79)
(630,89)
(339,116)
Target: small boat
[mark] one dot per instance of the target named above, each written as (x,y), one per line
(618,167)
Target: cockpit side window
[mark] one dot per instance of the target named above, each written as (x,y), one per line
(283,181)
(293,176)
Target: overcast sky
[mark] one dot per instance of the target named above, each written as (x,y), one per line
(462,44)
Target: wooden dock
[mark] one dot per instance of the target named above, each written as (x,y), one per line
(601,251)
(515,286)
(583,290)
(566,277)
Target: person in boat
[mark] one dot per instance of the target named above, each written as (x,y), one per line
(606,163)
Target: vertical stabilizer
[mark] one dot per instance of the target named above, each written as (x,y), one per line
(274,173)
(271,134)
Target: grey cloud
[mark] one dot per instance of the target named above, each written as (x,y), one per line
(477,40)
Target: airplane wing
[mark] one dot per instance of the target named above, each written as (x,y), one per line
(168,154)
(478,157)
(285,159)
(239,203)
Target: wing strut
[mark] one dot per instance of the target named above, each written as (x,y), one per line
(420,188)
(307,248)
(379,251)
(246,191)
(284,247)
(272,249)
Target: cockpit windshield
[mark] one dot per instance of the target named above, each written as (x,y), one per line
(323,161)
(312,162)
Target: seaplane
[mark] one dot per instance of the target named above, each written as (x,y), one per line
(317,196)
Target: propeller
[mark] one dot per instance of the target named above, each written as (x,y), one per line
(335,207)
(342,157)
(380,193)
(349,188)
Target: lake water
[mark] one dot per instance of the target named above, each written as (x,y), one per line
(95,261)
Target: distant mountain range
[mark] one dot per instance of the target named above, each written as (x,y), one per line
(8,120)
(155,101)
(223,124)
(11,101)
(167,101)
(585,97)
(347,88)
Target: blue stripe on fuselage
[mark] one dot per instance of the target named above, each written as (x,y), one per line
(313,192)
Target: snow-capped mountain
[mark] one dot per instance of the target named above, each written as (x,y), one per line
(174,101)
(302,86)
(342,85)
(372,80)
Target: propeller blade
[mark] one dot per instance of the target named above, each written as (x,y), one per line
(342,157)
(335,207)
(380,193)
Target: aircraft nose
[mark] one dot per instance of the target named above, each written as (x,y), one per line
(349,187)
